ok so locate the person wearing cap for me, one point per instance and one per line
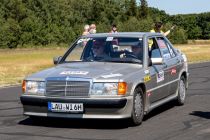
(158, 29)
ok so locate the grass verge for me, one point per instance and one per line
(196, 53)
(16, 64)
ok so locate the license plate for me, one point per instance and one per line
(65, 107)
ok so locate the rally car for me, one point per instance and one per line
(136, 73)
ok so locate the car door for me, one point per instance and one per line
(175, 66)
(172, 65)
(158, 72)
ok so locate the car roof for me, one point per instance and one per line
(123, 34)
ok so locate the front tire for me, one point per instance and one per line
(181, 91)
(138, 107)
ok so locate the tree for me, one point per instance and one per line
(61, 21)
(203, 21)
(178, 36)
(132, 8)
(9, 34)
(143, 11)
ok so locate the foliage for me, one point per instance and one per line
(43, 22)
(143, 13)
(178, 36)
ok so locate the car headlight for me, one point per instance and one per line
(33, 87)
(109, 88)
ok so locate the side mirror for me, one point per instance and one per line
(57, 59)
(157, 61)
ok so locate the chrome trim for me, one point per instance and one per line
(79, 116)
(167, 99)
(150, 90)
(65, 83)
(35, 114)
(107, 80)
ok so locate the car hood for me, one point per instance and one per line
(93, 70)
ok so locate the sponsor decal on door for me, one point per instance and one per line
(160, 76)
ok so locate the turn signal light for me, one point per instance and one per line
(122, 88)
(24, 86)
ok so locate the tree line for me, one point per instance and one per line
(43, 22)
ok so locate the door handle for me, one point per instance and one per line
(164, 65)
(178, 60)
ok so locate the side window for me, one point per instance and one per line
(163, 48)
(154, 51)
(171, 50)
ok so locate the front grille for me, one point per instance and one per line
(67, 88)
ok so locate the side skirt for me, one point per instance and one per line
(161, 102)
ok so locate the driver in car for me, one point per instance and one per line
(99, 49)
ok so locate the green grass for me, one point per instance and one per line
(15, 64)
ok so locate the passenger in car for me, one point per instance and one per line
(137, 50)
(158, 29)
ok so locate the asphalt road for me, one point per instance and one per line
(169, 122)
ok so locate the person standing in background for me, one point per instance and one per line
(92, 29)
(158, 29)
(86, 30)
(114, 29)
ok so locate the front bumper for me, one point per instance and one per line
(101, 108)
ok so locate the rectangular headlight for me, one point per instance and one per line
(104, 89)
(108, 88)
(35, 87)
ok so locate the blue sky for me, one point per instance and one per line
(173, 7)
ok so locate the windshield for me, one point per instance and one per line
(107, 49)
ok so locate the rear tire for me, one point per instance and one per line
(138, 107)
(181, 91)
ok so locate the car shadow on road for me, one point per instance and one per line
(76, 123)
(160, 110)
(201, 114)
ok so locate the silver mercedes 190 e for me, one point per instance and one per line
(108, 76)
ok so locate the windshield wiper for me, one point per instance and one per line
(117, 60)
(125, 60)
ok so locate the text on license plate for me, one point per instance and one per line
(65, 107)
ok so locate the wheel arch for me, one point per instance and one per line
(137, 114)
(184, 74)
(143, 87)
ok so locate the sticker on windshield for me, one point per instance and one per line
(111, 75)
(74, 73)
(83, 40)
(160, 76)
(109, 38)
